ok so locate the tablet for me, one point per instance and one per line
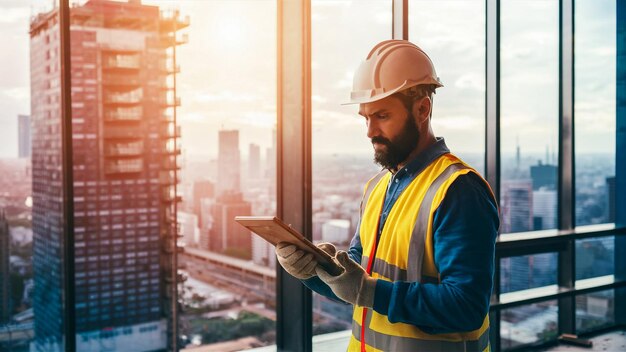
(274, 230)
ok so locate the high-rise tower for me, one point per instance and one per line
(124, 155)
(228, 162)
(23, 136)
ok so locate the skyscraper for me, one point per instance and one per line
(124, 166)
(23, 136)
(227, 236)
(610, 189)
(543, 175)
(517, 206)
(202, 189)
(254, 161)
(544, 208)
(228, 162)
(5, 278)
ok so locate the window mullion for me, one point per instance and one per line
(294, 181)
(620, 165)
(566, 221)
(69, 318)
(400, 19)
(492, 136)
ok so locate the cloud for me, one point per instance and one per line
(346, 81)
(17, 93)
(265, 119)
(472, 80)
(458, 123)
(14, 15)
(318, 99)
(337, 120)
(223, 96)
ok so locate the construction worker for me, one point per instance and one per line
(419, 270)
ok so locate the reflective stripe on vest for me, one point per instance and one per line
(385, 342)
(419, 268)
(369, 187)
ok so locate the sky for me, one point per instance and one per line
(228, 71)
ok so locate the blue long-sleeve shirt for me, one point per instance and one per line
(465, 227)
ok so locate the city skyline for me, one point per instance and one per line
(228, 161)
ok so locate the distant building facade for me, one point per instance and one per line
(228, 162)
(123, 176)
(226, 235)
(5, 277)
(202, 189)
(543, 175)
(254, 161)
(23, 136)
(517, 206)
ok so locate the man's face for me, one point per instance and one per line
(392, 129)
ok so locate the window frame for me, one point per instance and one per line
(294, 331)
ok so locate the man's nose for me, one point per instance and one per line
(372, 129)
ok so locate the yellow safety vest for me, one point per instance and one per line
(405, 253)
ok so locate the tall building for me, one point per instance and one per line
(228, 162)
(206, 221)
(610, 189)
(254, 161)
(543, 175)
(202, 189)
(524, 272)
(23, 136)
(124, 175)
(227, 236)
(189, 230)
(263, 253)
(5, 278)
(517, 206)
(544, 209)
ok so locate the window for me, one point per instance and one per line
(452, 33)
(342, 153)
(529, 114)
(221, 151)
(227, 119)
(594, 111)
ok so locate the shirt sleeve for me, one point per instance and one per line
(317, 285)
(465, 227)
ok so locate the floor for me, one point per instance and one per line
(609, 342)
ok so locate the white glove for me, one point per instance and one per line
(354, 285)
(299, 263)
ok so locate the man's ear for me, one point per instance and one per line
(422, 108)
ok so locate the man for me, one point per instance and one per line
(419, 270)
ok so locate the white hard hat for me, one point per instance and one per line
(392, 66)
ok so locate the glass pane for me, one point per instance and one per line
(524, 325)
(595, 310)
(163, 132)
(595, 257)
(529, 114)
(525, 272)
(124, 171)
(452, 33)
(594, 111)
(340, 42)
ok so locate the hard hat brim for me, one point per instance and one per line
(373, 98)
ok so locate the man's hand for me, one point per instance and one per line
(297, 262)
(354, 285)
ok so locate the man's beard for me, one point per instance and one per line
(399, 148)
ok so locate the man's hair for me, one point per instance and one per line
(410, 95)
